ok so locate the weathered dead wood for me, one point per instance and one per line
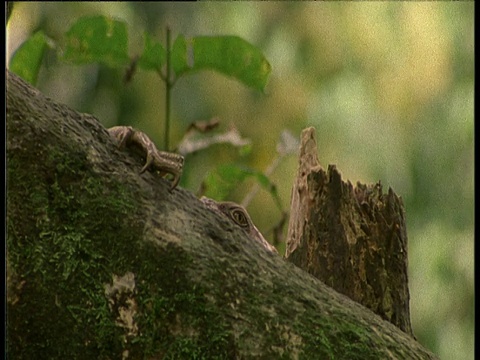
(105, 263)
(353, 239)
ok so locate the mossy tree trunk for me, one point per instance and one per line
(104, 263)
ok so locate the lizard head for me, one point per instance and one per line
(239, 216)
(236, 213)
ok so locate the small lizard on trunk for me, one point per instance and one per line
(165, 162)
(170, 163)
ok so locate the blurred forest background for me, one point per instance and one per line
(389, 87)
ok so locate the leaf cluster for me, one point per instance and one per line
(100, 39)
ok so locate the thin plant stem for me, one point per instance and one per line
(270, 169)
(168, 84)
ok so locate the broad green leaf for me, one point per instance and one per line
(223, 180)
(26, 61)
(97, 39)
(154, 55)
(229, 55)
(179, 56)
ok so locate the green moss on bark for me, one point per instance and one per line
(63, 244)
(66, 244)
(176, 319)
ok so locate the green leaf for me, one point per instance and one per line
(223, 180)
(27, 59)
(179, 56)
(97, 39)
(220, 182)
(229, 55)
(154, 55)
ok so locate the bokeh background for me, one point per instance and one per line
(389, 87)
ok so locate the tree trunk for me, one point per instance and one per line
(105, 263)
(353, 239)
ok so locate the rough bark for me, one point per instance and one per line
(353, 239)
(104, 263)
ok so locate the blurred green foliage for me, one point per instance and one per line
(104, 40)
(29, 57)
(389, 87)
(97, 39)
(230, 55)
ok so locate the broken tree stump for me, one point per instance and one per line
(354, 239)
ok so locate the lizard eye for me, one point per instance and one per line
(239, 217)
